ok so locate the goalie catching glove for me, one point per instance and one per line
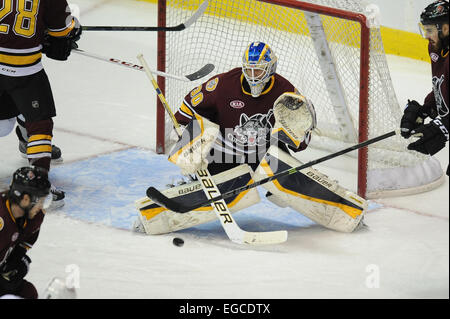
(194, 145)
(295, 119)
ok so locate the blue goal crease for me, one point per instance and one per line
(104, 189)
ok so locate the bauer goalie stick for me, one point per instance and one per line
(179, 27)
(205, 70)
(163, 200)
(233, 231)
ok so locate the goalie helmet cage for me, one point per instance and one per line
(329, 51)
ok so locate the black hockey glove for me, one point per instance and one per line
(14, 269)
(59, 48)
(412, 118)
(433, 137)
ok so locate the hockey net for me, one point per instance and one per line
(329, 51)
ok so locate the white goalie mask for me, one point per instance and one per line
(259, 63)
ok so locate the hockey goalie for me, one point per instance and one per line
(242, 126)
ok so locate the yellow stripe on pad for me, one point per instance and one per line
(351, 211)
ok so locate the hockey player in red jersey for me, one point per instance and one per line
(240, 102)
(434, 26)
(21, 215)
(28, 29)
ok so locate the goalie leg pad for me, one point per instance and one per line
(311, 193)
(160, 220)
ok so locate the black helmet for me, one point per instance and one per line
(435, 13)
(29, 180)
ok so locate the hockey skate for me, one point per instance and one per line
(56, 151)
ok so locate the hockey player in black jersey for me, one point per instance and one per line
(433, 136)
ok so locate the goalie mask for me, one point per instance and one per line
(259, 63)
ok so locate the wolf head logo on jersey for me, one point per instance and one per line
(252, 131)
(440, 102)
(259, 63)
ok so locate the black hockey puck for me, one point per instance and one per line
(178, 241)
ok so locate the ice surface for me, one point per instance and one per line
(105, 127)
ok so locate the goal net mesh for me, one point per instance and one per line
(221, 35)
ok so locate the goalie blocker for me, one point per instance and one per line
(311, 193)
(194, 145)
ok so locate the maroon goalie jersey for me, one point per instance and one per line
(436, 103)
(22, 27)
(245, 122)
(10, 235)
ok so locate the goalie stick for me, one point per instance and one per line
(163, 200)
(233, 231)
(179, 27)
(205, 70)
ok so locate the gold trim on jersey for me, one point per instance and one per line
(272, 83)
(8, 207)
(62, 32)
(185, 109)
(20, 60)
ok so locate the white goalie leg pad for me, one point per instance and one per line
(311, 193)
(197, 139)
(295, 118)
(159, 220)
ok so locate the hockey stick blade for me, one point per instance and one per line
(166, 202)
(208, 68)
(179, 27)
(265, 238)
(162, 200)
